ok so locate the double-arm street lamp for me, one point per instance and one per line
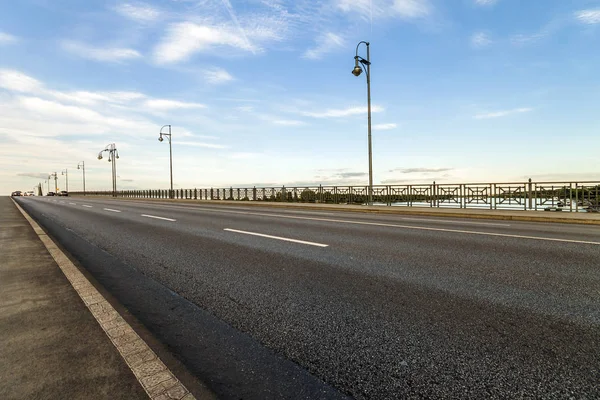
(81, 165)
(366, 63)
(65, 172)
(113, 155)
(55, 182)
(160, 139)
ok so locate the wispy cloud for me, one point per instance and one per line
(403, 9)
(217, 75)
(384, 127)
(485, 2)
(420, 170)
(165, 105)
(325, 44)
(36, 175)
(288, 122)
(138, 11)
(346, 112)
(19, 82)
(105, 54)
(202, 144)
(591, 16)
(6, 38)
(480, 40)
(498, 114)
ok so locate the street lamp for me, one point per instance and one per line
(81, 165)
(160, 139)
(366, 63)
(113, 155)
(55, 182)
(65, 172)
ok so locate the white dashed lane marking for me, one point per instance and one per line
(278, 238)
(155, 217)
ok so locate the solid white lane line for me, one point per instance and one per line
(155, 217)
(85, 205)
(110, 209)
(453, 222)
(277, 237)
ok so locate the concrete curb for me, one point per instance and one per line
(152, 374)
(570, 218)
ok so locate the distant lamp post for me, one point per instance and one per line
(81, 166)
(366, 63)
(113, 156)
(160, 139)
(65, 172)
(55, 182)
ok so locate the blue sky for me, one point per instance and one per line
(260, 91)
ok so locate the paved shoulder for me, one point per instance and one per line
(52, 347)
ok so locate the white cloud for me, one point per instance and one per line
(588, 16)
(412, 8)
(202, 144)
(19, 82)
(384, 127)
(164, 105)
(498, 114)
(288, 122)
(138, 11)
(522, 40)
(325, 44)
(485, 2)
(333, 113)
(217, 75)
(184, 39)
(6, 38)
(108, 54)
(404, 9)
(89, 98)
(480, 40)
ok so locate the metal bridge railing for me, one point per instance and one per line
(553, 196)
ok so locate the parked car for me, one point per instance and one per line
(50, 194)
(63, 193)
(17, 193)
(29, 193)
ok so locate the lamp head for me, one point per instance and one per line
(160, 138)
(109, 160)
(78, 167)
(117, 156)
(357, 69)
(100, 157)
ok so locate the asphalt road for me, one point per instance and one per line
(330, 304)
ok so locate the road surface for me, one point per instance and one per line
(264, 303)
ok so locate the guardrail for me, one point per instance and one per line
(550, 196)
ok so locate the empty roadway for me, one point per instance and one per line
(271, 303)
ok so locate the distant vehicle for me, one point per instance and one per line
(29, 193)
(63, 193)
(50, 194)
(17, 193)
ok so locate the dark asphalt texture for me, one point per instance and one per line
(420, 309)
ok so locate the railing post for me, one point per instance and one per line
(254, 193)
(529, 188)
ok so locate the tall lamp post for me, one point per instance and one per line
(113, 155)
(81, 165)
(160, 139)
(366, 63)
(65, 172)
(55, 181)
